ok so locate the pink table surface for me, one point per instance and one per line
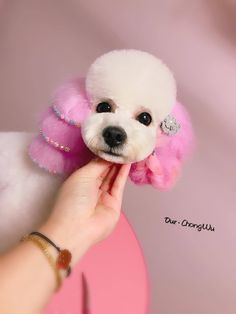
(116, 277)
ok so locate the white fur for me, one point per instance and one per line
(140, 142)
(132, 78)
(132, 82)
(26, 191)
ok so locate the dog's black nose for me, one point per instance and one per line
(114, 136)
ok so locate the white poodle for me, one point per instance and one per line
(124, 111)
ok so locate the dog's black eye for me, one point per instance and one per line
(103, 107)
(144, 118)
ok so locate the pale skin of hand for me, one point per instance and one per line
(85, 212)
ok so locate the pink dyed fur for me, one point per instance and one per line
(70, 103)
(71, 100)
(63, 133)
(163, 167)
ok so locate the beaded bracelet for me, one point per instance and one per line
(43, 245)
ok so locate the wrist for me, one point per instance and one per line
(77, 242)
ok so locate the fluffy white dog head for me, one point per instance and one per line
(130, 93)
(125, 111)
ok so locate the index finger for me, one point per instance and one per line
(119, 182)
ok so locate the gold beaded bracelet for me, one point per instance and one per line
(43, 245)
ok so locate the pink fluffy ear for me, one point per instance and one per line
(162, 167)
(59, 148)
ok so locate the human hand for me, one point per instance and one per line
(88, 205)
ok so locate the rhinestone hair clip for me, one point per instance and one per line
(169, 125)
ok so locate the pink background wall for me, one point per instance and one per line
(44, 42)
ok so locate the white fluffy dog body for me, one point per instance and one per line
(26, 191)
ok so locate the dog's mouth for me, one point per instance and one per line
(112, 156)
(110, 152)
